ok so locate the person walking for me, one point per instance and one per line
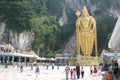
(58, 66)
(71, 73)
(108, 76)
(110, 69)
(82, 72)
(21, 67)
(37, 71)
(67, 70)
(52, 65)
(95, 71)
(74, 74)
(115, 69)
(31, 66)
(47, 65)
(91, 71)
(78, 70)
(99, 69)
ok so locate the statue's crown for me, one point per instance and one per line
(85, 10)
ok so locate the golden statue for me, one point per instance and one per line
(86, 35)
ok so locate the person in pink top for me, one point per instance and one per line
(67, 70)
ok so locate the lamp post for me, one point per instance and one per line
(35, 61)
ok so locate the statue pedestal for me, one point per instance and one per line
(88, 60)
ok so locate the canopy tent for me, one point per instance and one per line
(114, 42)
(2, 46)
(30, 54)
(48, 59)
(111, 54)
(18, 54)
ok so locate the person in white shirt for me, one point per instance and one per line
(99, 70)
(82, 72)
(110, 68)
(74, 74)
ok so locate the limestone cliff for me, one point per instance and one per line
(101, 10)
(20, 41)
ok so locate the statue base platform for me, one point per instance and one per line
(88, 60)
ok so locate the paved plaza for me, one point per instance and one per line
(11, 73)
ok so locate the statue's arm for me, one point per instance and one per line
(77, 26)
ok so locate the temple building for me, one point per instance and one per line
(9, 55)
(113, 44)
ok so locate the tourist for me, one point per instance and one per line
(78, 70)
(82, 72)
(91, 71)
(71, 73)
(110, 69)
(115, 69)
(58, 66)
(21, 67)
(108, 76)
(47, 65)
(74, 74)
(31, 66)
(95, 70)
(37, 71)
(52, 65)
(104, 66)
(67, 70)
(99, 69)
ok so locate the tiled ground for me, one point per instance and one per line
(11, 73)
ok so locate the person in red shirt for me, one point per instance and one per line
(71, 73)
(108, 76)
(95, 70)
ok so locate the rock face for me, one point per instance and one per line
(70, 48)
(106, 7)
(97, 8)
(21, 41)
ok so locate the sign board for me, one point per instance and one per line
(88, 60)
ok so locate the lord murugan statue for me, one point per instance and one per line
(86, 36)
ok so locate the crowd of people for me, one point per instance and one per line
(75, 72)
(107, 71)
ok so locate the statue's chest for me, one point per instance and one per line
(85, 22)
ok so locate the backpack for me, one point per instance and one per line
(37, 69)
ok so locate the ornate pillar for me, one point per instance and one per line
(8, 58)
(19, 60)
(0, 59)
(13, 58)
(30, 60)
(60, 61)
(3, 59)
(25, 61)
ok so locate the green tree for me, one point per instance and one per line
(50, 54)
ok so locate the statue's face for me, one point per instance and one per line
(84, 14)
